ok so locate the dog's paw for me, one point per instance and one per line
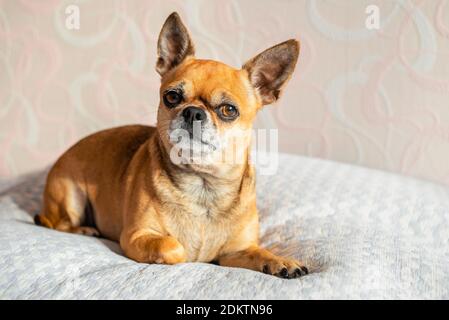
(167, 250)
(284, 268)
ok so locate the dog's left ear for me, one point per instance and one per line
(270, 70)
(174, 44)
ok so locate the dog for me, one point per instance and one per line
(164, 211)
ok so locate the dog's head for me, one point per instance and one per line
(203, 102)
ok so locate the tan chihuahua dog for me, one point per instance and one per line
(169, 212)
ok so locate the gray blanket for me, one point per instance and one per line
(363, 234)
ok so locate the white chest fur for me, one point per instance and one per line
(197, 212)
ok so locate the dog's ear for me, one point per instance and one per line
(174, 44)
(270, 70)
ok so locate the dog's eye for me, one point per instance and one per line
(172, 98)
(227, 112)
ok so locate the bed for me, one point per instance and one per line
(363, 234)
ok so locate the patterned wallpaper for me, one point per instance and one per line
(373, 97)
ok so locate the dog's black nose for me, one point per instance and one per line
(191, 114)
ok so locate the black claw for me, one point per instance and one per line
(284, 273)
(298, 272)
(305, 270)
(266, 269)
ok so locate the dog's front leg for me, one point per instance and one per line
(143, 238)
(143, 246)
(259, 259)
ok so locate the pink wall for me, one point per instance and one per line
(375, 98)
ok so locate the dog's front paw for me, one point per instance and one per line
(167, 250)
(148, 248)
(259, 259)
(283, 267)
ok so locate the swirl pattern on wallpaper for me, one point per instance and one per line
(378, 98)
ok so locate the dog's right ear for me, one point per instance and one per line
(270, 70)
(174, 44)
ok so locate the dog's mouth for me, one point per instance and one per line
(196, 137)
(195, 143)
(187, 150)
(205, 139)
(208, 144)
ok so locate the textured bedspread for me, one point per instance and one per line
(362, 233)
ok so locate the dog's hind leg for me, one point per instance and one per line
(64, 206)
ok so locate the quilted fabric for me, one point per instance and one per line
(363, 234)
